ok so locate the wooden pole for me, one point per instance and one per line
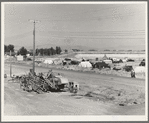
(10, 69)
(10, 64)
(34, 21)
(34, 48)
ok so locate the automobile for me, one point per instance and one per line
(127, 68)
(100, 65)
(67, 59)
(28, 59)
(130, 60)
(115, 68)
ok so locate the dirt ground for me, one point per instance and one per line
(98, 95)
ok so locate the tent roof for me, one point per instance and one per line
(105, 57)
(85, 64)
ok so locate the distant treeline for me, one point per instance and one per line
(48, 51)
(24, 51)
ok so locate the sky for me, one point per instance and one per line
(93, 26)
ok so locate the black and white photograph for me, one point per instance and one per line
(74, 61)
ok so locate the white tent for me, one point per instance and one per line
(125, 59)
(139, 69)
(85, 64)
(48, 61)
(20, 58)
(57, 61)
(115, 59)
(105, 57)
(40, 59)
(108, 61)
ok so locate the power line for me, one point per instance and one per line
(86, 35)
(98, 31)
(89, 11)
(116, 16)
(100, 34)
(76, 37)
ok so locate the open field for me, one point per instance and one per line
(93, 56)
(98, 95)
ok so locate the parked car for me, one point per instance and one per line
(127, 68)
(130, 60)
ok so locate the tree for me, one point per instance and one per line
(52, 53)
(22, 51)
(37, 51)
(10, 47)
(45, 51)
(49, 51)
(5, 48)
(41, 51)
(59, 50)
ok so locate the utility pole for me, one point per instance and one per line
(34, 22)
(10, 65)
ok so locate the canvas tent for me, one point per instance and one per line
(139, 69)
(105, 57)
(85, 64)
(48, 61)
(57, 61)
(116, 59)
(20, 58)
(108, 61)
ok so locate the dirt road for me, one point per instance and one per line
(92, 99)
